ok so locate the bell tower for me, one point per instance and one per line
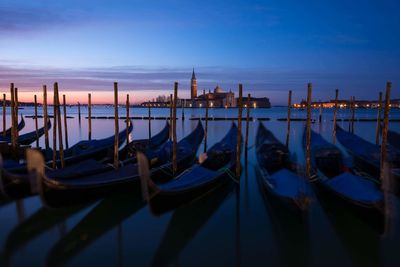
(193, 86)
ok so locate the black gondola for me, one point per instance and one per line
(28, 138)
(20, 126)
(336, 182)
(279, 174)
(199, 179)
(15, 183)
(87, 149)
(60, 192)
(93, 149)
(126, 155)
(367, 156)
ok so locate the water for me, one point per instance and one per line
(232, 226)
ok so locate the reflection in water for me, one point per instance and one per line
(108, 214)
(186, 223)
(32, 227)
(291, 230)
(336, 241)
(120, 247)
(237, 228)
(361, 240)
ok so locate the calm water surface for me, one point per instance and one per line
(232, 226)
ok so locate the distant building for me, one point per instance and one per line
(394, 103)
(216, 99)
(193, 86)
(256, 102)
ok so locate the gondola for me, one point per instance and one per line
(394, 139)
(199, 179)
(291, 233)
(20, 126)
(367, 156)
(93, 149)
(16, 183)
(28, 138)
(126, 155)
(335, 181)
(86, 149)
(279, 174)
(57, 192)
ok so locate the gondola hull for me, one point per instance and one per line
(366, 157)
(278, 202)
(16, 183)
(166, 201)
(61, 192)
(59, 196)
(199, 180)
(16, 186)
(372, 214)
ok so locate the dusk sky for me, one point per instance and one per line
(269, 46)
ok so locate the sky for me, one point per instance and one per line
(145, 45)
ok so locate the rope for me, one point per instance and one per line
(230, 174)
(366, 176)
(167, 170)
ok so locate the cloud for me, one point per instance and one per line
(258, 82)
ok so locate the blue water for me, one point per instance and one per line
(236, 227)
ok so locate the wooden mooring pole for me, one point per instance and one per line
(385, 176)
(239, 132)
(116, 126)
(36, 120)
(335, 115)
(206, 125)
(174, 141)
(353, 112)
(45, 118)
(16, 106)
(79, 113)
(4, 114)
(320, 112)
(60, 138)
(128, 119)
(288, 117)
(183, 109)
(378, 120)
(246, 140)
(90, 116)
(54, 129)
(13, 124)
(385, 128)
(65, 121)
(308, 136)
(170, 116)
(149, 118)
(350, 112)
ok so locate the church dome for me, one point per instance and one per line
(217, 90)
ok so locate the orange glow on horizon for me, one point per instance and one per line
(98, 97)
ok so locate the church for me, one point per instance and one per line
(217, 99)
